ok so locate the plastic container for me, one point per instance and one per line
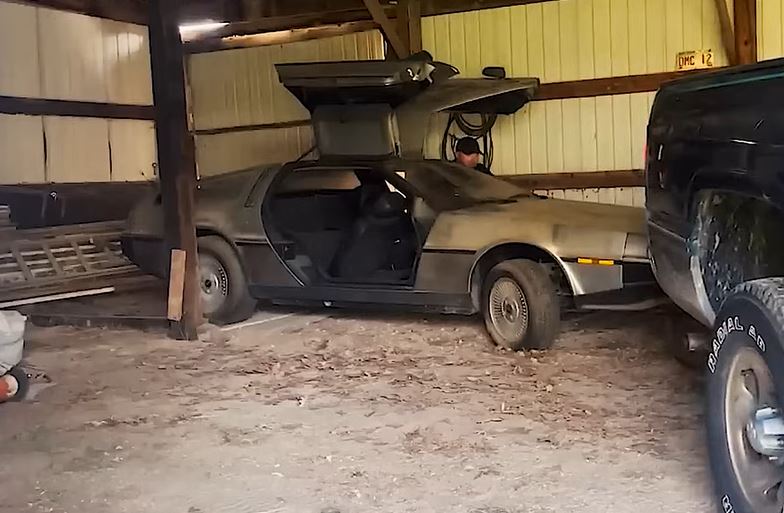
(12, 326)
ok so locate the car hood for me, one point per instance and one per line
(567, 229)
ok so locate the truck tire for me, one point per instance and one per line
(224, 287)
(744, 385)
(520, 305)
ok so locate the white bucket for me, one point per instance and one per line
(12, 326)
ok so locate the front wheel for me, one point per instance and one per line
(745, 385)
(224, 289)
(520, 305)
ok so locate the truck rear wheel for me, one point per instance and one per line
(745, 385)
(520, 305)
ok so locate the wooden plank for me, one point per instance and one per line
(399, 46)
(727, 32)
(176, 155)
(176, 285)
(280, 37)
(745, 14)
(55, 297)
(608, 86)
(580, 180)
(56, 267)
(246, 128)
(45, 107)
(26, 272)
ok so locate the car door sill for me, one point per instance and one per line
(357, 296)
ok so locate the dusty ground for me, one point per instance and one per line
(355, 414)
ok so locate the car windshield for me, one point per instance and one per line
(440, 178)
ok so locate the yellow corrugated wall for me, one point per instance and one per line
(770, 29)
(57, 55)
(237, 88)
(571, 40)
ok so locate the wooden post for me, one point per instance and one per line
(401, 12)
(176, 156)
(388, 28)
(415, 25)
(727, 32)
(409, 23)
(745, 15)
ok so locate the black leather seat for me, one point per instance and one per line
(381, 240)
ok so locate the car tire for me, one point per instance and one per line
(520, 305)
(224, 287)
(745, 375)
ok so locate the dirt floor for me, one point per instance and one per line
(345, 412)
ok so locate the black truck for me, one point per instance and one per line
(715, 202)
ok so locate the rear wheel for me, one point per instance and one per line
(745, 386)
(224, 289)
(520, 305)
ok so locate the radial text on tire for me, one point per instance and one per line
(520, 305)
(745, 385)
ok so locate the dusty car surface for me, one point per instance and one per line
(371, 223)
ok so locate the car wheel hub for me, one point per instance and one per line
(508, 309)
(214, 283)
(755, 432)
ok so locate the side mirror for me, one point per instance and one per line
(497, 72)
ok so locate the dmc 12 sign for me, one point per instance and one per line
(696, 59)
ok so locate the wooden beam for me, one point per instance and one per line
(415, 25)
(176, 155)
(409, 23)
(249, 128)
(402, 22)
(44, 107)
(727, 32)
(745, 15)
(607, 86)
(278, 37)
(129, 11)
(282, 23)
(388, 28)
(291, 10)
(581, 180)
(435, 7)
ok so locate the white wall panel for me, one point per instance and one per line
(126, 59)
(223, 153)
(240, 87)
(72, 60)
(19, 71)
(133, 150)
(53, 54)
(21, 150)
(77, 149)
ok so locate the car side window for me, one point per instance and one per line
(305, 180)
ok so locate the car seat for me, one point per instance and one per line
(381, 240)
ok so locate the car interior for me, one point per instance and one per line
(342, 225)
